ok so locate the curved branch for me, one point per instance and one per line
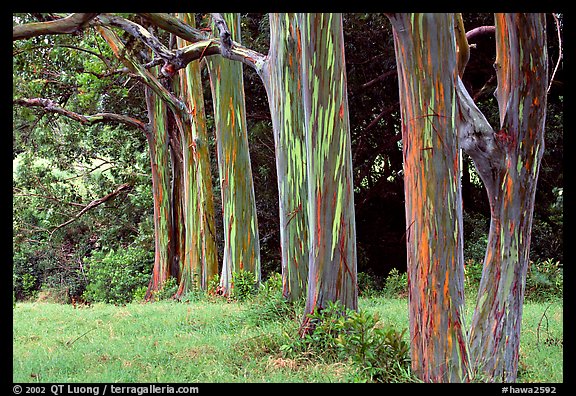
(480, 31)
(53, 107)
(70, 24)
(175, 26)
(93, 204)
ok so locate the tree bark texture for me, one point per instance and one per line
(157, 137)
(281, 74)
(241, 241)
(199, 242)
(522, 72)
(427, 73)
(332, 229)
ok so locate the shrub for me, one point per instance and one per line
(270, 305)
(167, 291)
(369, 285)
(379, 352)
(545, 280)
(244, 285)
(396, 284)
(114, 276)
(472, 275)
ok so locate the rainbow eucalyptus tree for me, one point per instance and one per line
(187, 251)
(241, 240)
(200, 241)
(157, 137)
(331, 230)
(508, 161)
(281, 74)
(438, 117)
(426, 58)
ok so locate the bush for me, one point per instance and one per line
(545, 280)
(369, 285)
(379, 352)
(472, 275)
(244, 285)
(270, 305)
(396, 284)
(114, 276)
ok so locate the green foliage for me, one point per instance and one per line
(169, 288)
(114, 276)
(214, 285)
(379, 352)
(244, 285)
(270, 305)
(396, 284)
(472, 275)
(545, 280)
(368, 284)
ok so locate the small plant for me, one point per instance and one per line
(379, 352)
(545, 280)
(368, 284)
(169, 288)
(244, 285)
(396, 284)
(472, 275)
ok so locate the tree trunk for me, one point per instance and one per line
(241, 241)
(281, 74)
(200, 244)
(332, 229)
(510, 176)
(157, 138)
(427, 73)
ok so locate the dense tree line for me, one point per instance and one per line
(81, 190)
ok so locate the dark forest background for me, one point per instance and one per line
(60, 165)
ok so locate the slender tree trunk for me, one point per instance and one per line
(281, 74)
(241, 241)
(199, 244)
(332, 229)
(191, 88)
(427, 74)
(510, 177)
(157, 138)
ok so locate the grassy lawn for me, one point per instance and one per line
(214, 341)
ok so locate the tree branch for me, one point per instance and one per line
(477, 139)
(480, 31)
(70, 24)
(93, 204)
(53, 107)
(462, 47)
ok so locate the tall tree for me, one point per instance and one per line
(200, 238)
(508, 162)
(241, 240)
(157, 137)
(332, 229)
(281, 74)
(426, 58)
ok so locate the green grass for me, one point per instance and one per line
(214, 341)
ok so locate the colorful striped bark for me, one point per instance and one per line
(281, 74)
(522, 72)
(158, 99)
(427, 74)
(201, 258)
(241, 241)
(332, 229)
(157, 137)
